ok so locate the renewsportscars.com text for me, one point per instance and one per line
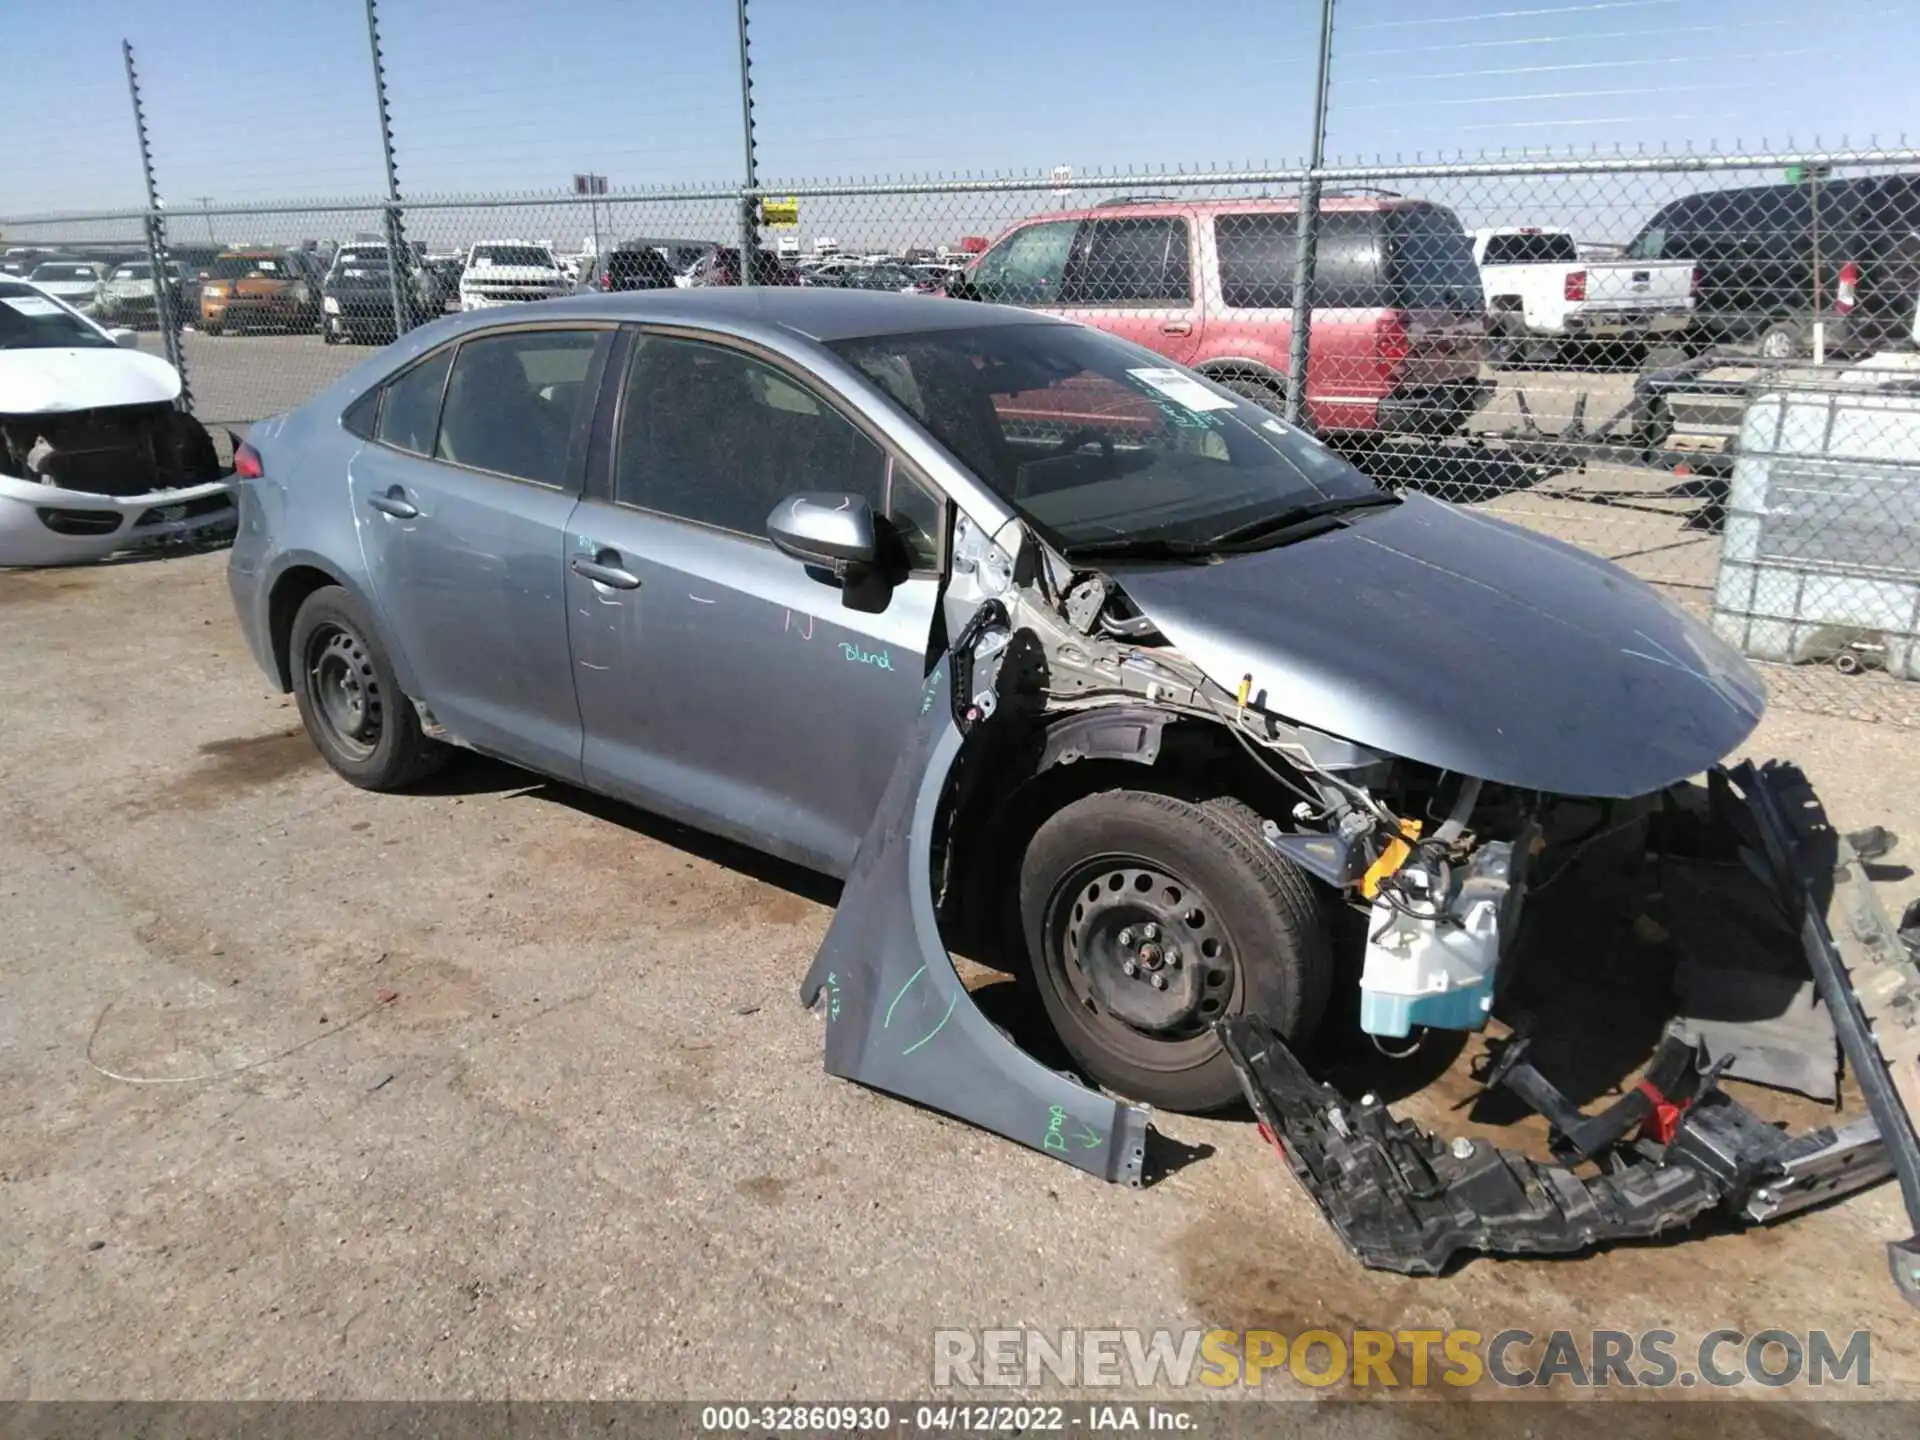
(1212, 1359)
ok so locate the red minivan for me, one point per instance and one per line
(1398, 320)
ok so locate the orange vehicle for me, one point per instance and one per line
(260, 288)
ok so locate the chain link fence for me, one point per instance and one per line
(1701, 366)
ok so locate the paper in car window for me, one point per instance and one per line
(1183, 389)
(31, 305)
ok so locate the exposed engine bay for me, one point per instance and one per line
(83, 484)
(1432, 845)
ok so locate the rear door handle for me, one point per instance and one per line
(602, 573)
(1177, 327)
(394, 502)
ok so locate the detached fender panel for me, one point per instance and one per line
(898, 1017)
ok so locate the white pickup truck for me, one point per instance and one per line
(1541, 294)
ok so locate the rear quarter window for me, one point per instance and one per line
(1431, 261)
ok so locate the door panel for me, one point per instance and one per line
(733, 691)
(472, 589)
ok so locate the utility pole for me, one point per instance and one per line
(206, 210)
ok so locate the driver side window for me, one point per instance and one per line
(1026, 267)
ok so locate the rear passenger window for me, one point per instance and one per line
(412, 408)
(715, 436)
(513, 402)
(1130, 262)
(1257, 254)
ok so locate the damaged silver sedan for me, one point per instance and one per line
(1060, 655)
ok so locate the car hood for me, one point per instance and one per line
(49, 382)
(1461, 642)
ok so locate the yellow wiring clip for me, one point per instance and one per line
(1245, 692)
(1391, 858)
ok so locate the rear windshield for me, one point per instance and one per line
(1530, 249)
(140, 270)
(361, 255)
(512, 255)
(243, 267)
(1432, 261)
(64, 272)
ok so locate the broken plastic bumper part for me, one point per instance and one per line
(1672, 1149)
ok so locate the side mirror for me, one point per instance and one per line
(124, 338)
(832, 531)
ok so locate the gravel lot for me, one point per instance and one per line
(588, 1149)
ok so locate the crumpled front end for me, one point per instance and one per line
(83, 485)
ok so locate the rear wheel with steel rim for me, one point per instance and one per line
(1147, 920)
(349, 700)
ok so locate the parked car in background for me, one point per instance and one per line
(19, 260)
(885, 275)
(633, 265)
(94, 458)
(1399, 327)
(1775, 258)
(508, 272)
(261, 289)
(357, 294)
(722, 267)
(78, 282)
(130, 297)
(1541, 295)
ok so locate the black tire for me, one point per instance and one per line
(1225, 905)
(341, 676)
(1267, 394)
(1506, 342)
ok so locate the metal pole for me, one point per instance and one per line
(164, 314)
(395, 232)
(749, 194)
(1300, 350)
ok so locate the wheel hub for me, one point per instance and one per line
(344, 688)
(1148, 949)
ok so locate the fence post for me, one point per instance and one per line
(164, 314)
(749, 194)
(396, 234)
(1300, 349)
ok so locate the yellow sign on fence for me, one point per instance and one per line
(780, 214)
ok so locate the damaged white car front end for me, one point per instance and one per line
(95, 457)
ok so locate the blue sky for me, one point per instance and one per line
(274, 99)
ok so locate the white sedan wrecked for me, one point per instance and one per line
(94, 456)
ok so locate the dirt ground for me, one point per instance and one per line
(512, 1095)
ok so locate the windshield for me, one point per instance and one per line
(1095, 440)
(1649, 244)
(138, 270)
(512, 255)
(361, 255)
(31, 321)
(245, 267)
(65, 272)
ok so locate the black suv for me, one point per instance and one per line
(635, 265)
(357, 295)
(1774, 258)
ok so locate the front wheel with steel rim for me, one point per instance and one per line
(348, 698)
(1147, 920)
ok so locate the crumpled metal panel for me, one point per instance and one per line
(898, 1017)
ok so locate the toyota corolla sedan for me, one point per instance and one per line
(726, 554)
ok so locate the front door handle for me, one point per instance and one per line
(601, 572)
(394, 502)
(1177, 327)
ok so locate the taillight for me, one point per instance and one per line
(246, 462)
(1847, 293)
(1575, 287)
(1390, 344)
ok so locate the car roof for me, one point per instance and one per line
(819, 315)
(1240, 205)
